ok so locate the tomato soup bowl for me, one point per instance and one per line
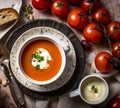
(57, 64)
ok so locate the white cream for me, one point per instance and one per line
(95, 93)
(43, 64)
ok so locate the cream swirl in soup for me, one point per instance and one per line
(40, 59)
(93, 89)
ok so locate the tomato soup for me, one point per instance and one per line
(54, 63)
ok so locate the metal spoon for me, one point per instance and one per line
(15, 90)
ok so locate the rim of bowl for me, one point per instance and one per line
(62, 68)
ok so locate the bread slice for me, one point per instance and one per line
(7, 15)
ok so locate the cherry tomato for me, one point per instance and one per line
(101, 16)
(74, 2)
(93, 32)
(114, 103)
(113, 30)
(43, 5)
(116, 49)
(60, 8)
(92, 5)
(102, 62)
(77, 19)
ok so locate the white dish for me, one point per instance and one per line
(64, 41)
(92, 89)
(16, 4)
(53, 41)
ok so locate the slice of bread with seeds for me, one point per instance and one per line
(8, 15)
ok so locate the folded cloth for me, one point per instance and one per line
(61, 102)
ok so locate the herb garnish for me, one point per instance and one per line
(94, 89)
(28, 11)
(37, 67)
(38, 56)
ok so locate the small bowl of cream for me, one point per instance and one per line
(92, 89)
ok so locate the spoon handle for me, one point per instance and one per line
(15, 90)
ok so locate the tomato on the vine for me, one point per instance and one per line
(113, 29)
(90, 5)
(102, 16)
(77, 19)
(42, 4)
(60, 8)
(116, 49)
(93, 32)
(74, 2)
(102, 62)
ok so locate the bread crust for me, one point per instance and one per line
(8, 15)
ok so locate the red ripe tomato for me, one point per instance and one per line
(101, 16)
(114, 103)
(77, 19)
(102, 62)
(60, 8)
(42, 4)
(93, 4)
(116, 49)
(113, 30)
(93, 32)
(74, 2)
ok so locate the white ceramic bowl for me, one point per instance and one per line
(92, 89)
(63, 65)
